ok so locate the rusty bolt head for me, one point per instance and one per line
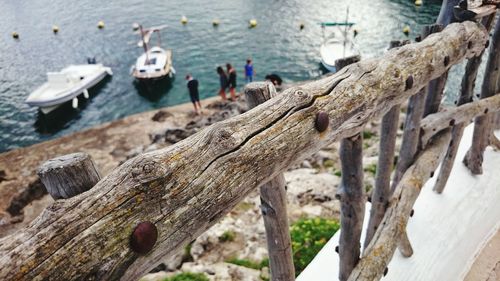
(337, 249)
(386, 270)
(143, 237)
(322, 121)
(412, 212)
(487, 44)
(409, 83)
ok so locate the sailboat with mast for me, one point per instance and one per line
(339, 44)
(155, 63)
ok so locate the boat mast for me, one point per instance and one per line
(345, 30)
(144, 44)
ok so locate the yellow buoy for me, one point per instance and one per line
(418, 2)
(406, 30)
(184, 20)
(100, 24)
(302, 26)
(55, 29)
(252, 23)
(15, 35)
(215, 22)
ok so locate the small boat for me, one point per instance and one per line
(66, 85)
(338, 45)
(156, 62)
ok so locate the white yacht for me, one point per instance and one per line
(66, 85)
(155, 63)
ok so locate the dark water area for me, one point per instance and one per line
(276, 45)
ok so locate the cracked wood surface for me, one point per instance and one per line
(379, 252)
(186, 188)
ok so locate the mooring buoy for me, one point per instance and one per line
(100, 24)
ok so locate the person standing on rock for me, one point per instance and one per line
(223, 82)
(249, 72)
(192, 85)
(232, 80)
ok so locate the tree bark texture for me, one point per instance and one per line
(184, 189)
(482, 124)
(273, 203)
(69, 175)
(383, 245)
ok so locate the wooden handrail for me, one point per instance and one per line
(176, 193)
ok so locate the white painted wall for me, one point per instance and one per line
(447, 231)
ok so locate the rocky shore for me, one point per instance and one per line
(311, 186)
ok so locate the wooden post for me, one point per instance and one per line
(379, 252)
(466, 95)
(409, 145)
(69, 175)
(382, 192)
(273, 203)
(352, 195)
(482, 124)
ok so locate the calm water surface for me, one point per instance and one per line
(276, 45)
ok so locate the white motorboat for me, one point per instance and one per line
(338, 45)
(155, 63)
(67, 85)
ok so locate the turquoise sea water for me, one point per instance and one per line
(276, 46)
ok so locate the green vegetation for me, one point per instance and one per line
(249, 263)
(227, 236)
(372, 168)
(338, 173)
(367, 135)
(308, 237)
(187, 276)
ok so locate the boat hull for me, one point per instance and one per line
(49, 103)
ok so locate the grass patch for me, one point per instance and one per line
(249, 263)
(367, 135)
(338, 173)
(372, 168)
(227, 236)
(308, 237)
(187, 276)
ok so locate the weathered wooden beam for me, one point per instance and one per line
(69, 175)
(482, 124)
(186, 188)
(465, 96)
(382, 191)
(351, 194)
(383, 245)
(457, 115)
(273, 203)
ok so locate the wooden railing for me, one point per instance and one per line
(158, 202)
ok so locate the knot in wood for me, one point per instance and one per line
(143, 237)
(147, 168)
(322, 121)
(409, 83)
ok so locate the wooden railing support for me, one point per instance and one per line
(383, 245)
(382, 191)
(409, 145)
(273, 203)
(351, 194)
(482, 124)
(466, 95)
(176, 193)
(69, 175)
